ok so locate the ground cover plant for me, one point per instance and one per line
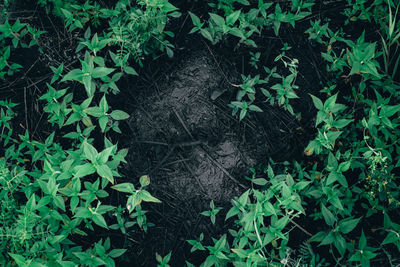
(83, 81)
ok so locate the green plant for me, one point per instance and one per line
(18, 34)
(58, 190)
(163, 261)
(211, 213)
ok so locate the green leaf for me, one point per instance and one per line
(19, 259)
(119, 115)
(328, 216)
(255, 108)
(117, 252)
(206, 34)
(259, 181)
(317, 102)
(130, 70)
(84, 170)
(125, 187)
(103, 120)
(232, 18)
(99, 220)
(101, 72)
(147, 197)
(59, 202)
(195, 19)
(105, 172)
(73, 75)
(144, 180)
(103, 156)
(362, 243)
(217, 19)
(330, 102)
(347, 225)
(90, 152)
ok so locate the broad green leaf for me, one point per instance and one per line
(119, 115)
(317, 102)
(219, 21)
(73, 75)
(232, 18)
(147, 197)
(195, 19)
(90, 152)
(103, 156)
(101, 72)
(83, 212)
(144, 180)
(117, 252)
(328, 216)
(130, 70)
(259, 181)
(105, 172)
(124, 187)
(255, 108)
(19, 259)
(99, 220)
(206, 34)
(84, 170)
(347, 225)
(330, 102)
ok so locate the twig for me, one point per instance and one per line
(223, 169)
(301, 228)
(26, 110)
(182, 123)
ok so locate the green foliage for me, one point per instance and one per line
(53, 190)
(243, 24)
(56, 189)
(163, 261)
(212, 213)
(354, 154)
(18, 34)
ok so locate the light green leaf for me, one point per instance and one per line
(147, 197)
(317, 102)
(125, 187)
(99, 220)
(84, 170)
(232, 18)
(90, 152)
(101, 72)
(119, 115)
(105, 172)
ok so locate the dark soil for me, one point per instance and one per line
(195, 151)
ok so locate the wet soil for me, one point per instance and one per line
(185, 138)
